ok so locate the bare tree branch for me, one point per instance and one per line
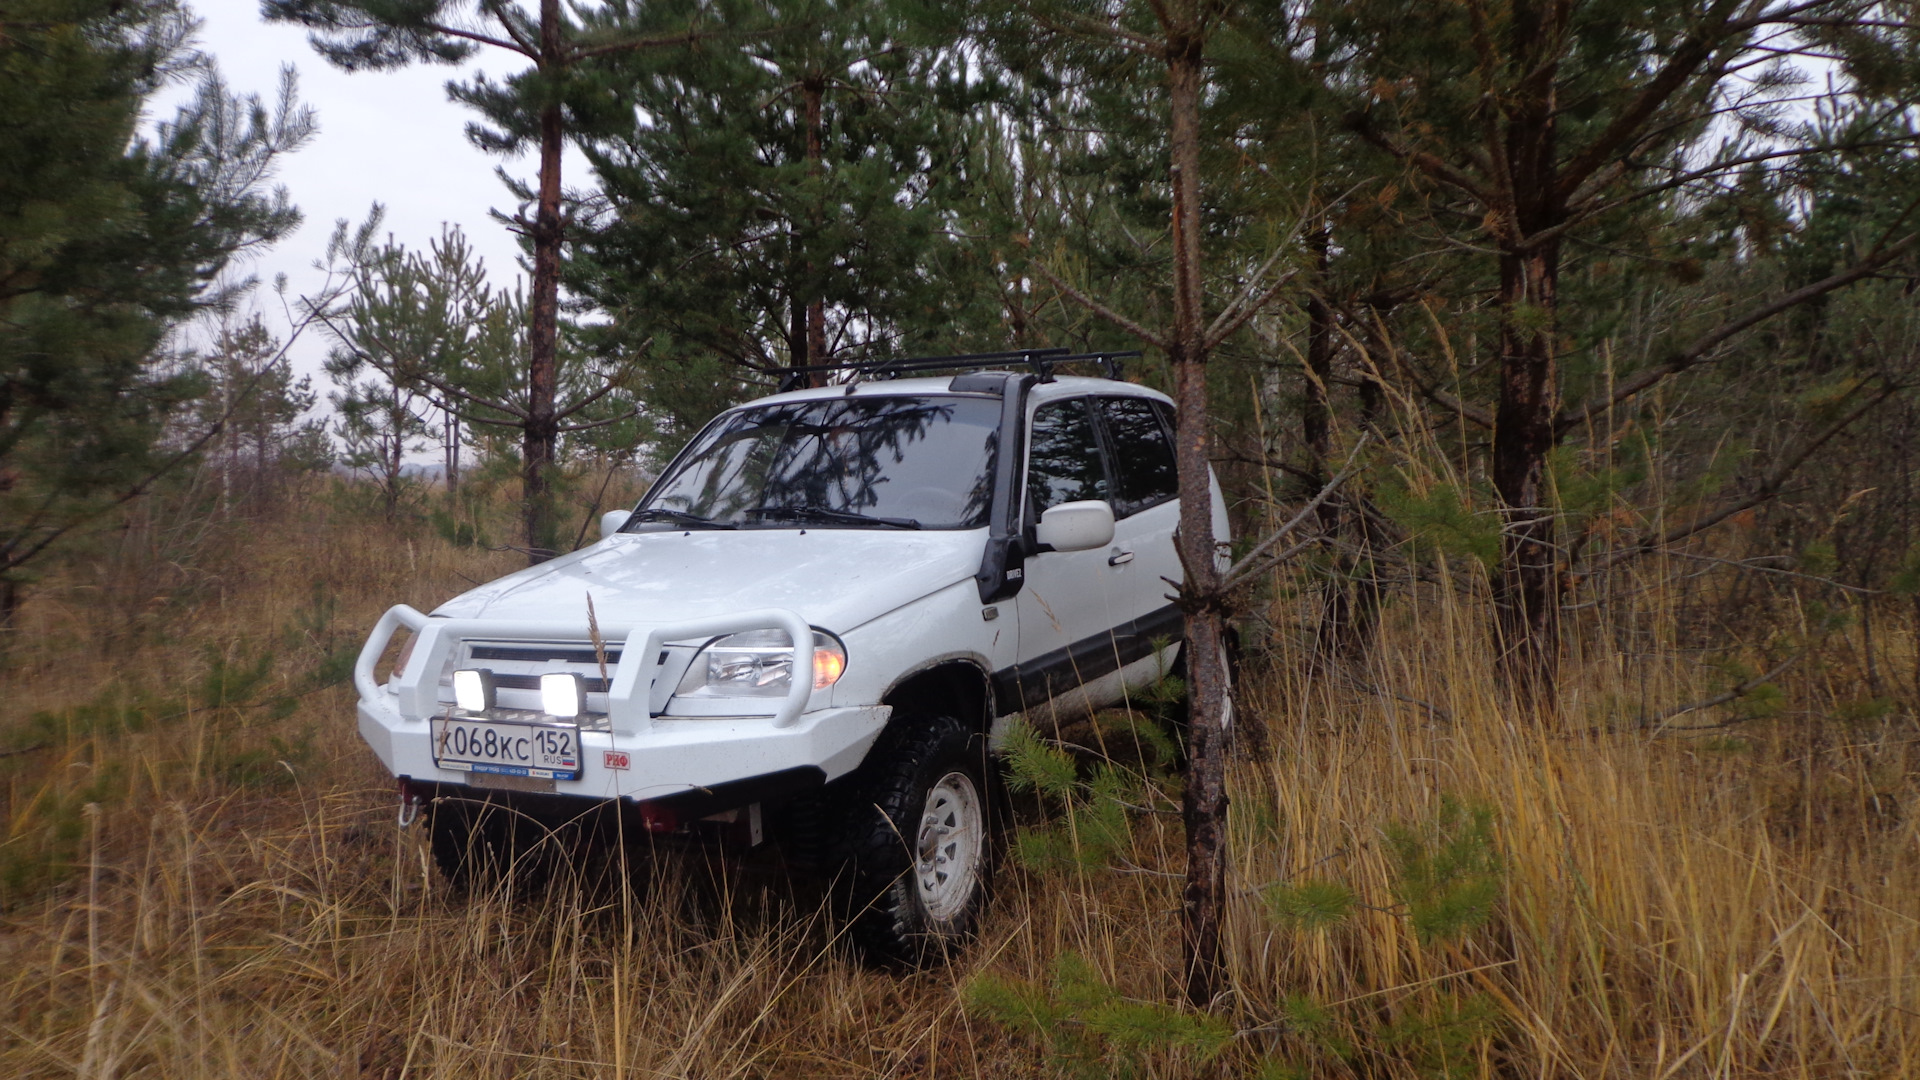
(1362, 125)
(1579, 215)
(1769, 486)
(1701, 346)
(1229, 320)
(1254, 561)
(568, 429)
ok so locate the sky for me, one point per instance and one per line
(387, 137)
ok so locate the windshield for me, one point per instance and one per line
(876, 462)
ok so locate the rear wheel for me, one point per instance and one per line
(916, 841)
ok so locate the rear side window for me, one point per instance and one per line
(1063, 458)
(1142, 453)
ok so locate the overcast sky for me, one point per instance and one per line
(387, 137)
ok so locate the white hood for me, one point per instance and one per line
(835, 579)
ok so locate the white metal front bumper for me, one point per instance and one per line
(670, 757)
(663, 755)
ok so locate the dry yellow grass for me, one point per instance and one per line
(234, 905)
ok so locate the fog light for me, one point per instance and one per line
(473, 689)
(561, 694)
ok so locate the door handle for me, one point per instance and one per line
(1119, 557)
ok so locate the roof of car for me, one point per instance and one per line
(1060, 386)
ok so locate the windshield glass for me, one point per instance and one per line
(920, 462)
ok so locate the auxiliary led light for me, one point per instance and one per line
(561, 694)
(473, 689)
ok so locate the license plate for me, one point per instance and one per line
(512, 749)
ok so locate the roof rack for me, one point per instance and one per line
(1042, 361)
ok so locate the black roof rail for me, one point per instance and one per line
(1041, 361)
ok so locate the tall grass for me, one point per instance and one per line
(207, 880)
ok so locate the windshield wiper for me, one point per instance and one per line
(839, 517)
(681, 517)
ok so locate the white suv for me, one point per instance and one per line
(929, 554)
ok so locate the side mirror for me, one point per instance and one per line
(612, 521)
(1076, 526)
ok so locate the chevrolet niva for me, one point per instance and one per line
(808, 628)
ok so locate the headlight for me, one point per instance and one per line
(759, 663)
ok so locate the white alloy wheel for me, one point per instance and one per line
(947, 855)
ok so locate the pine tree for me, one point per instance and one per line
(429, 325)
(109, 238)
(1155, 57)
(1527, 129)
(378, 423)
(780, 201)
(252, 398)
(535, 108)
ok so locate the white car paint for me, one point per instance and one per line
(901, 601)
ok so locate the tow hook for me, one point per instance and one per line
(410, 801)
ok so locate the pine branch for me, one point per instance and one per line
(1658, 721)
(1682, 61)
(483, 39)
(11, 558)
(689, 37)
(1083, 26)
(1156, 340)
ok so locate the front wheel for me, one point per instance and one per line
(916, 841)
(479, 845)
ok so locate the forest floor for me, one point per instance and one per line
(201, 873)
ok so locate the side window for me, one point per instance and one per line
(1142, 452)
(1063, 458)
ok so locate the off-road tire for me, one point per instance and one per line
(904, 811)
(480, 845)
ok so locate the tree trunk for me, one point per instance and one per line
(1337, 624)
(811, 320)
(393, 450)
(797, 337)
(450, 435)
(1528, 601)
(1204, 809)
(540, 436)
(1316, 414)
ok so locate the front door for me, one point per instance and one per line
(1067, 604)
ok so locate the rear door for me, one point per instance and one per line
(1139, 438)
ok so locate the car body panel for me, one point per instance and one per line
(836, 578)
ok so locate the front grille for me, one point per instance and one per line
(592, 684)
(542, 654)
